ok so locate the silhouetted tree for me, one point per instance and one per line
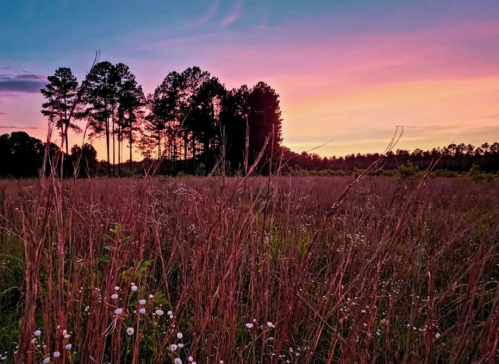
(131, 99)
(86, 156)
(264, 118)
(101, 100)
(233, 115)
(22, 155)
(203, 120)
(61, 92)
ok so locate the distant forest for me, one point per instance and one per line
(22, 155)
(191, 122)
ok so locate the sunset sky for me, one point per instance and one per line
(349, 70)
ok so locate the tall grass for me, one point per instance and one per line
(398, 274)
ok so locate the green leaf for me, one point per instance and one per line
(107, 247)
(160, 300)
(125, 241)
(105, 259)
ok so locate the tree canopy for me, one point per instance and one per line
(191, 122)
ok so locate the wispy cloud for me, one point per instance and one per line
(19, 128)
(235, 13)
(209, 14)
(23, 83)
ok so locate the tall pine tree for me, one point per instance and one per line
(61, 93)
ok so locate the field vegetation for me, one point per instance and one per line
(249, 270)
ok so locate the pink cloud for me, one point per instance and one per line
(234, 15)
(207, 16)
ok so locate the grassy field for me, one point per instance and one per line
(160, 270)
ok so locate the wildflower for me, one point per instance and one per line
(249, 325)
(180, 345)
(179, 335)
(142, 311)
(33, 340)
(114, 296)
(173, 347)
(134, 288)
(151, 296)
(68, 347)
(37, 333)
(171, 317)
(64, 332)
(437, 335)
(46, 360)
(159, 312)
(118, 311)
(190, 358)
(270, 324)
(177, 361)
(169, 313)
(142, 302)
(56, 354)
(130, 331)
(67, 336)
(116, 288)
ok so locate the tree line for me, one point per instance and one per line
(189, 121)
(455, 158)
(22, 155)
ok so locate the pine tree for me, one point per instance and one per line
(61, 92)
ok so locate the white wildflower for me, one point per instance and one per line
(159, 312)
(37, 333)
(270, 324)
(177, 361)
(142, 302)
(114, 296)
(179, 335)
(116, 288)
(142, 311)
(134, 288)
(56, 354)
(118, 311)
(130, 331)
(46, 360)
(249, 325)
(68, 347)
(173, 347)
(190, 358)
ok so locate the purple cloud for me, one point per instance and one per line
(21, 83)
(17, 127)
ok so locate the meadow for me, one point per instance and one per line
(257, 270)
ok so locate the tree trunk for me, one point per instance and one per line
(131, 141)
(114, 149)
(107, 145)
(246, 149)
(67, 125)
(193, 154)
(185, 150)
(119, 150)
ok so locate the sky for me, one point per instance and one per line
(348, 72)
